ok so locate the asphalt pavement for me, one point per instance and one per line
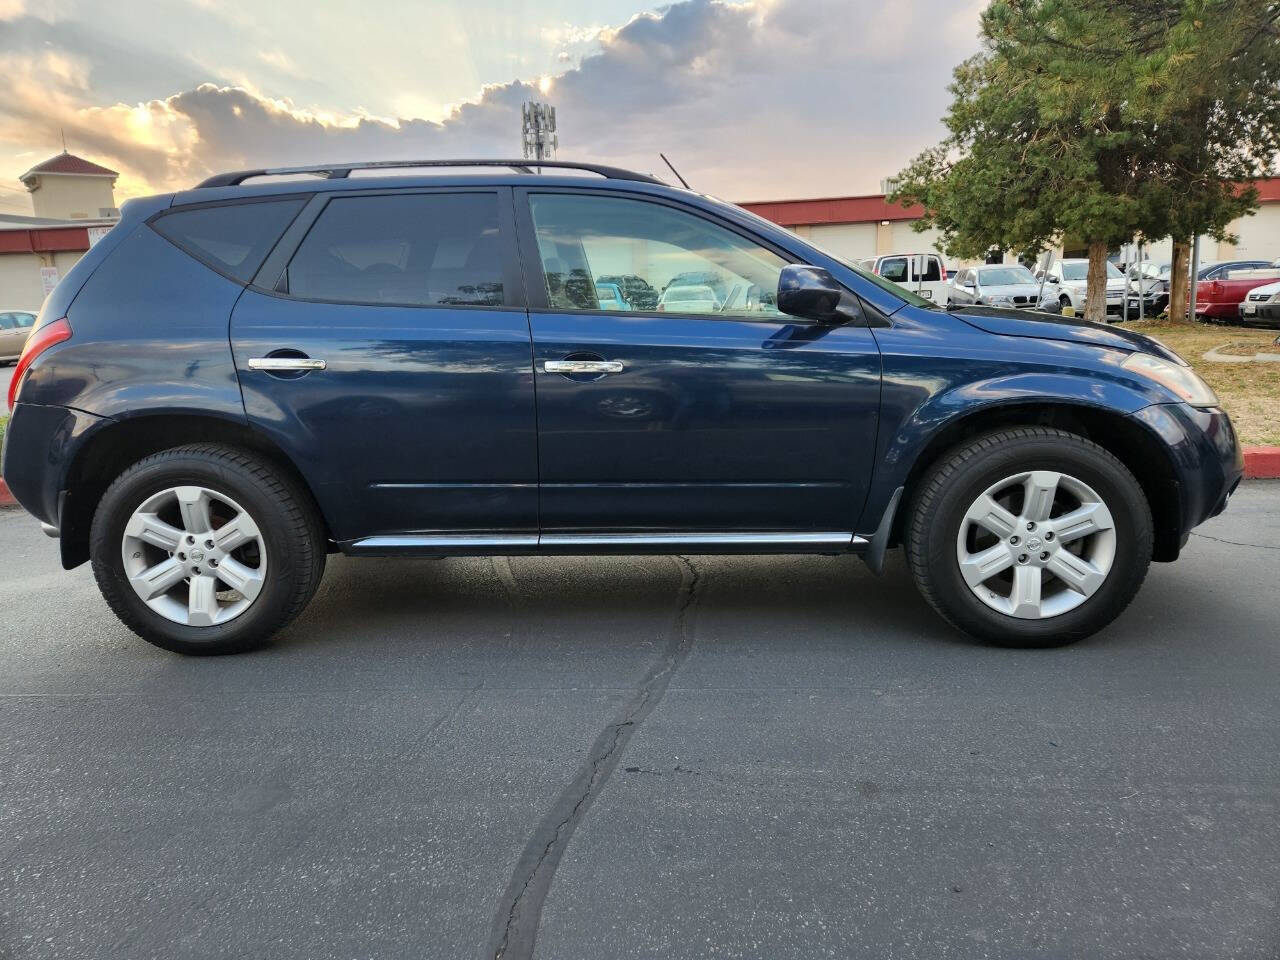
(775, 757)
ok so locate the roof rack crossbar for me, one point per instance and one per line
(340, 171)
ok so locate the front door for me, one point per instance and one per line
(693, 405)
(420, 423)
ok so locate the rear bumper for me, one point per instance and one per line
(39, 444)
(1217, 311)
(1207, 460)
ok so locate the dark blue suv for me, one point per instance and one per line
(243, 377)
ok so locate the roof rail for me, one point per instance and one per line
(340, 171)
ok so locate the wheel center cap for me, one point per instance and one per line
(1033, 543)
(196, 555)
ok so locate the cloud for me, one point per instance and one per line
(751, 100)
(11, 9)
(280, 61)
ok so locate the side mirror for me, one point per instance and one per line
(812, 294)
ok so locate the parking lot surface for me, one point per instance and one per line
(780, 757)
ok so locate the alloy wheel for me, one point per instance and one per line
(1036, 544)
(194, 556)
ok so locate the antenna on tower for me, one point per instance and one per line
(538, 128)
(63, 131)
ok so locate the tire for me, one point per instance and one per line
(1063, 302)
(287, 545)
(948, 497)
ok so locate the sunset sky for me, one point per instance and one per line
(753, 100)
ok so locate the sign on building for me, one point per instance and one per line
(97, 233)
(48, 279)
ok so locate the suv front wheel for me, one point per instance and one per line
(205, 549)
(1030, 537)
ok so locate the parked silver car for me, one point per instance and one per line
(14, 327)
(1002, 285)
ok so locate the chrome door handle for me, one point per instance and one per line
(285, 363)
(582, 366)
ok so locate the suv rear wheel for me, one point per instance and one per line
(205, 549)
(1029, 537)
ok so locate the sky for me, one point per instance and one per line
(752, 100)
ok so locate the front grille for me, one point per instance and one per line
(1021, 300)
(1259, 296)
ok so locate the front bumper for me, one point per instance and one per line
(1207, 460)
(1264, 314)
(1153, 304)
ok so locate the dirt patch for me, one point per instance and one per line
(1250, 392)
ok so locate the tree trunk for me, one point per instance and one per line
(1095, 297)
(1179, 280)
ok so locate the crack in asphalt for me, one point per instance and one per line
(515, 927)
(1237, 543)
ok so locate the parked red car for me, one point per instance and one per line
(1220, 299)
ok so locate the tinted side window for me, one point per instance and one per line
(932, 268)
(25, 319)
(434, 249)
(656, 257)
(8, 321)
(895, 269)
(233, 237)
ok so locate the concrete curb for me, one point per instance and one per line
(1260, 463)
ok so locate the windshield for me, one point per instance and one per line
(1079, 270)
(1002, 276)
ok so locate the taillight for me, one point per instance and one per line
(41, 339)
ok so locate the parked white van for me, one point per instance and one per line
(921, 273)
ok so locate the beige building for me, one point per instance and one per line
(73, 204)
(67, 187)
(856, 228)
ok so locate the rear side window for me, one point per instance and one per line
(931, 267)
(432, 249)
(234, 238)
(895, 269)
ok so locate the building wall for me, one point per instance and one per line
(1259, 236)
(20, 286)
(852, 241)
(65, 197)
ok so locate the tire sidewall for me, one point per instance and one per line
(106, 545)
(1114, 484)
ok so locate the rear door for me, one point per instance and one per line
(386, 348)
(928, 279)
(730, 418)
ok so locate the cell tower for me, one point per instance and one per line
(539, 128)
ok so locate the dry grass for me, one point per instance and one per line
(1250, 392)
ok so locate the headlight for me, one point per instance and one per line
(1183, 381)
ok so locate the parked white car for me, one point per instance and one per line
(1261, 305)
(921, 273)
(1070, 278)
(689, 298)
